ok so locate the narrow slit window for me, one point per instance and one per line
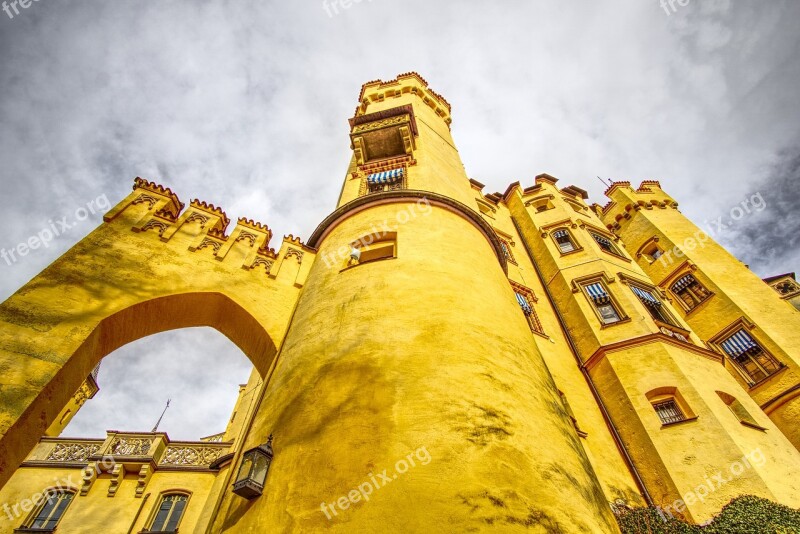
(738, 410)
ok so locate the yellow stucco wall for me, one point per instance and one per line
(363, 380)
(96, 512)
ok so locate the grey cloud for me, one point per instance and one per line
(245, 104)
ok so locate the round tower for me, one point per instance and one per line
(408, 395)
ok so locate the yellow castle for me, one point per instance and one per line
(431, 359)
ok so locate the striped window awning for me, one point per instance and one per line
(738, 344)
(602, 240)
(646, 297)
(683, 283)
(598, 293)
(523, 303)
(560, 233)
(386, 177)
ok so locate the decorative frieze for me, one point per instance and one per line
(123, 446)
(191, 455)
(73, 452)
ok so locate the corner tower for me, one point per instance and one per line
(663, 388)
(730, 308)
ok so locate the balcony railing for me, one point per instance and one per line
(128, 448)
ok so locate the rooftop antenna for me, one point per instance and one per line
(155, 428)
(604, 182)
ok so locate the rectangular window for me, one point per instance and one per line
(669, 412)
(749, 356)
(526, 299)
(374, 247)
(602, 303)
(506, 246)
(604, 243)
(565, 243)
(654, 306)
(390, 180)
(690, 291)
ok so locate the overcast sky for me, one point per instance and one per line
(245, 104)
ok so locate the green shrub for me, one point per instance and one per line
(743, 515)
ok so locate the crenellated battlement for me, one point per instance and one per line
(201, 227)
(407, 83)
(625, 200)
(212, 210)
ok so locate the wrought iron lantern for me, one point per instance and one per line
(253, 471)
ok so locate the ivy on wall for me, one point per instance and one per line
(743, 515)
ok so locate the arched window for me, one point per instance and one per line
(169, 512)
(50, 511)
(670, 405)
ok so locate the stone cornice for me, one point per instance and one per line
(389, 197)
(601, 353)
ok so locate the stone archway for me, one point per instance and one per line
(185, 310)
(147, 269)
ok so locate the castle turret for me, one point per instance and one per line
(731, 309)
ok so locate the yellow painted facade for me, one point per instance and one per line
(432, 358)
